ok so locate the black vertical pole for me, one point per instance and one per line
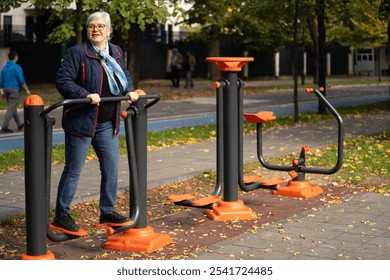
(230, 132)
(140, 142)
(34, 156)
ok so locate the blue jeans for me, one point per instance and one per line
(106, 147)
(189, 82)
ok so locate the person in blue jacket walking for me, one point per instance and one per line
(93, 69)
(12, 81)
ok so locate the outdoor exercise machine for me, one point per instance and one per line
(134, 235)
(229, 169)
(298, 186)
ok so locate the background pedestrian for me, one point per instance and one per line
(189, 67)
(12, 82)
(176, 67)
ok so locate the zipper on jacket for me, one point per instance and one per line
(83, 71)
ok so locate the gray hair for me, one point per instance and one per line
(98, 15)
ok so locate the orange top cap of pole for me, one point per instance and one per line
(140, 91)
(229, 63)
(33, 100)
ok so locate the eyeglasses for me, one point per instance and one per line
(99, 27)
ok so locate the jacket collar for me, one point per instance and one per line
(90, 51)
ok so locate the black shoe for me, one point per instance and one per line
(66, 222)
(20, 127)
(6, 130)
(113, 218)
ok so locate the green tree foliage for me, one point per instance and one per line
(124, 14)
(233, 19)
(7, 5)
(360, 23)
(247, 22)
(72, 20)
(215, 20)
(270, 23)
(128, 17)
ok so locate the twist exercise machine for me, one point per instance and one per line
(298, 186)
(229, 94)
(134, 235)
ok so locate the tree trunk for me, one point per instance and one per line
(379, 64)
(314, 37)
(388, 46)
(213, 51)
(133, 53)
(79, 17)
(321, 52)
(295, 63)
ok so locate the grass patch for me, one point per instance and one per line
(174, 137)
(367, 157)
(12, 221)
(364, 156)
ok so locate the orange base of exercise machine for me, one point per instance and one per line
(110, 227)
(251, 179)
(138, 240)
(272, 182)
(265, 183)
(230, 211)
(47, 257)
(300, 189)
(80, 232)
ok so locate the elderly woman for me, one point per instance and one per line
(92, 70)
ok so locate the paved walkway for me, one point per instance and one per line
(356, 228)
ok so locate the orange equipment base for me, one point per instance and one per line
(80, 232)
(111, 226)
(181, 197)
(205, 200)
(138, 240)
(230, 211)
(300, 189)
(272, 182)
(251, 179)
(47, 257)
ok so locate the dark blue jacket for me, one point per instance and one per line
(81, 73)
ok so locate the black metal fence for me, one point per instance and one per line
(11, 34)
(41, 60)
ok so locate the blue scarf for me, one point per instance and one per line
(111, 67)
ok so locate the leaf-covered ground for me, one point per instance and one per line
(12, 230)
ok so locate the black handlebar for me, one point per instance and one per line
(340, 139)
(155, 97)
(305, 169)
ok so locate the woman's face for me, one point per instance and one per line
(98, 32)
